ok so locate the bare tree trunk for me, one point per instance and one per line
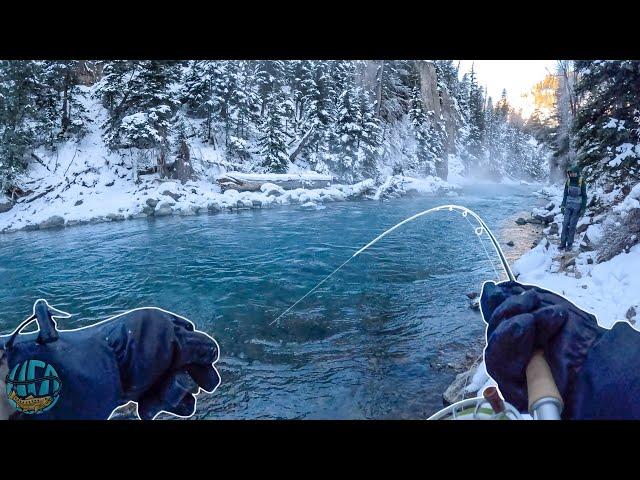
(183, 169)
(65, 103)
(379, 89)
(301, 145)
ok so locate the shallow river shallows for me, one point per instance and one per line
(378, 340)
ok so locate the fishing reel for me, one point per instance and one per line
(488, 407)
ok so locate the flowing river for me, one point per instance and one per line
(380, 339)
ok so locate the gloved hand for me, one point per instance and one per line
(562, 210)
(522, 319)
(148, 356)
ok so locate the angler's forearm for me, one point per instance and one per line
(608, 384)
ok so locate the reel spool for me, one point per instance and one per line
(488, 407)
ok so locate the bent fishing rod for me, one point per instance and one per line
(545, 402)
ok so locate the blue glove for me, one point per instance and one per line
(522, 319)
(148, 356)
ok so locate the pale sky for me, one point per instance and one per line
(517, 76)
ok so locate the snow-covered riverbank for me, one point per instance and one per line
(102, 196)
(97, 191)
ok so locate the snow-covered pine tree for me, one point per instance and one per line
(269, 78)
(447, 74)
(604, 123)
(141, 102)
(203, 93)
(316, 108)
(18, 113)
(245, 110)
(396, 89)
(474, 111)
(369, 138)
(493, 151)
(61, 112)
(345, 133)
(424, 158)
(272, 142)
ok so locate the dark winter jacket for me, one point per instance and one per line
(577, 181)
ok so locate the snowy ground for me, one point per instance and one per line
(608, 289)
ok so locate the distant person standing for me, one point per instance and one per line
(574, 204)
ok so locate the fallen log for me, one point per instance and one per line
(247, 182)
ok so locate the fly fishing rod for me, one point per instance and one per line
(464, 210)
(545, 403)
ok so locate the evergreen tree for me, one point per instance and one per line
(61, 113)
(273, 147)
(425, 160)
(605, 120)
(141, 102)
(244, 109)
(205, 91)
(18, 111)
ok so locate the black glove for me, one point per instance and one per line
(149, 356)
(522, 319)
(562, 209)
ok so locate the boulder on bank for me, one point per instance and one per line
(521, 221)
(152, 202)
(554, 229)
(5, 205)
(55, 221)
(586, 245)
(115, 217)
(175, 196)
(582, 228)
(271, 189)
(543, 219)
(164, 209)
